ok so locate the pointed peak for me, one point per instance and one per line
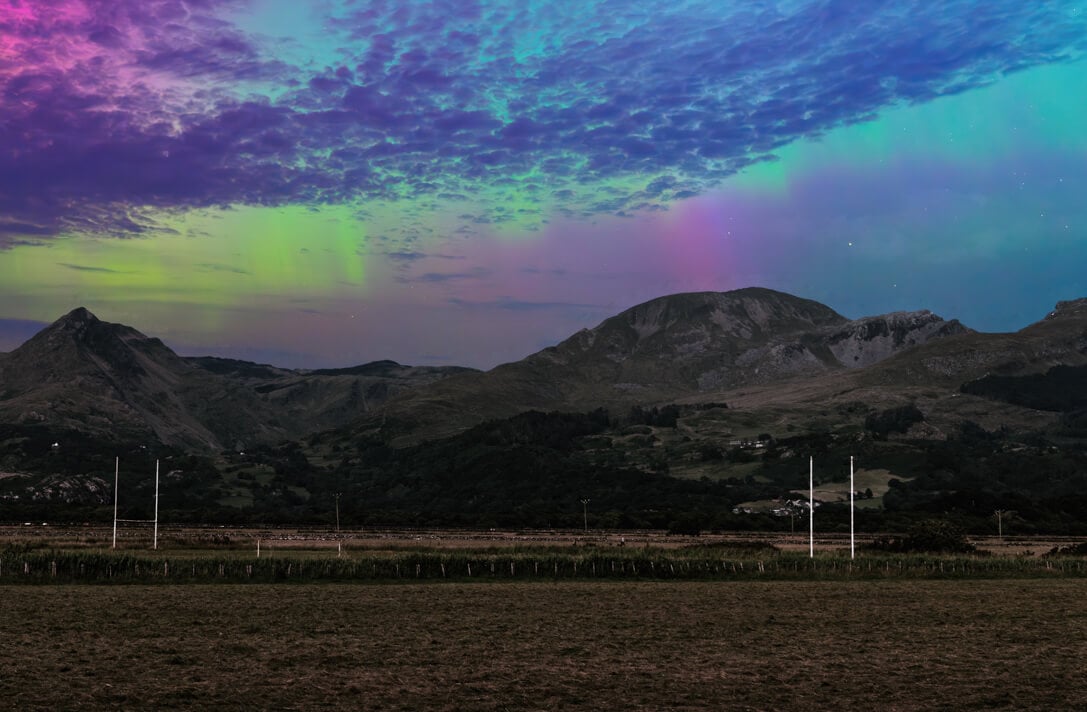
(79, 315)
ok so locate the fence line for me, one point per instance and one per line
(62, 567)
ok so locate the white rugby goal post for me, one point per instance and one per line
(154, 522)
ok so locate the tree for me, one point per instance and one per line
(893, 420)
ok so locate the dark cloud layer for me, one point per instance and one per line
(112, 110)
(13, 332)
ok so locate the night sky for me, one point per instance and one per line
(328, 182)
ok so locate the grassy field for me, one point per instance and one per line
(280, 541)
(886, 645)
(57, 555)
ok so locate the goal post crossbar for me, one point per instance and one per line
(116, 520)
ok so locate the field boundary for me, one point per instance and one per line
(45, 567)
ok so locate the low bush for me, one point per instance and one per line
(929, 536)
(1077, 549)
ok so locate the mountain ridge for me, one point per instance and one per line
(670, 348)
(83, 373)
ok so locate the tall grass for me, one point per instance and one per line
(37, 566)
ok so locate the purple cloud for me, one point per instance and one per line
(112, 110)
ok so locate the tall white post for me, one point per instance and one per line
(851, 488)
(155, 544)
(811, 507)
(116, 479)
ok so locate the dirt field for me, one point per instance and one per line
(886, 645)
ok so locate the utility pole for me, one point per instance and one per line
(155, 544)
(585, 512)
(999, 513)
(337, 496)
(811, 507)
(851, 508)
(116, 479)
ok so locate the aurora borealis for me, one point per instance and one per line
(330, 182)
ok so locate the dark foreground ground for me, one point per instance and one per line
(872, 645)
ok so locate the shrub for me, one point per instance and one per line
(930, 536)
(1077, 549)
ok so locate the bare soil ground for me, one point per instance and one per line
(901, 645)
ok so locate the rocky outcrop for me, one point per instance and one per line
(1072, 309)
(866, 341)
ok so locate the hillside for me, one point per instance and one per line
(680, 347)
(85, 375)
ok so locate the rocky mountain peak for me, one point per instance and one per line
(78, 315)
(81, 330)
(74, 322)
(80, 345)
(697, 321)
(714, 340)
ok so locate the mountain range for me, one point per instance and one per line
(754, 348)
(111, 381)
(701, 407)
(681, 348)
